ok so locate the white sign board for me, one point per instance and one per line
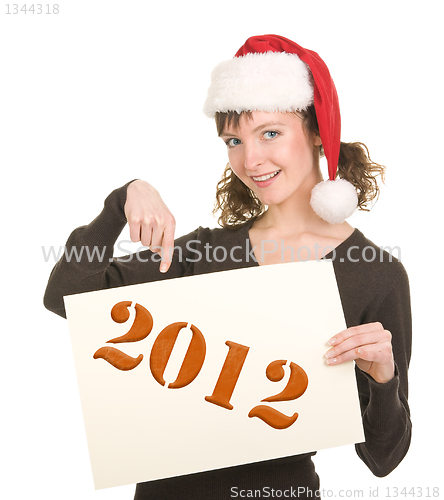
(181, 388)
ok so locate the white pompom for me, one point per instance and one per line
(334, 201)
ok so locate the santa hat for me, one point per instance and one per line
(271, 73)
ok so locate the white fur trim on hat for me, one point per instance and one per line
(334, 201)
(271, 81)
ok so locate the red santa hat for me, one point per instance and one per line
(271, 73)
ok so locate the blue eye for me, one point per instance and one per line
(233, 142)
(270, 134)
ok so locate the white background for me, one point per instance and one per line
(108, 91)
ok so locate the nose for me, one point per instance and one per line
(253, 156)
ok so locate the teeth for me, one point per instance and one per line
(265, 177)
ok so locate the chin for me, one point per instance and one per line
(270, 200)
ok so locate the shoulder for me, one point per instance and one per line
(368, 276)
(360, 256)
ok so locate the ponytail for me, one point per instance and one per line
(354, 163)
(356, 167)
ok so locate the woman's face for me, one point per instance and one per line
(273, 155)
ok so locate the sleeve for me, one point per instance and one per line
(88, 263)
(384, 407)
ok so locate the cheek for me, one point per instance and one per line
(235, 160)
(297, 151)
(237, 173)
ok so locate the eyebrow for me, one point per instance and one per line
(259, 127)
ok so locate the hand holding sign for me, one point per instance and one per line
(369, 345)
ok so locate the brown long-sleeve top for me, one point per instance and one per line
(373, 286)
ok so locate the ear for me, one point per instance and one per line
(317, 141)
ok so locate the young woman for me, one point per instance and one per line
(276, 109)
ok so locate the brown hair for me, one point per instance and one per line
(238, 203)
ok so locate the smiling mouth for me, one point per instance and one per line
(265, 177)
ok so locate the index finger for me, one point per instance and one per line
(167, 249)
